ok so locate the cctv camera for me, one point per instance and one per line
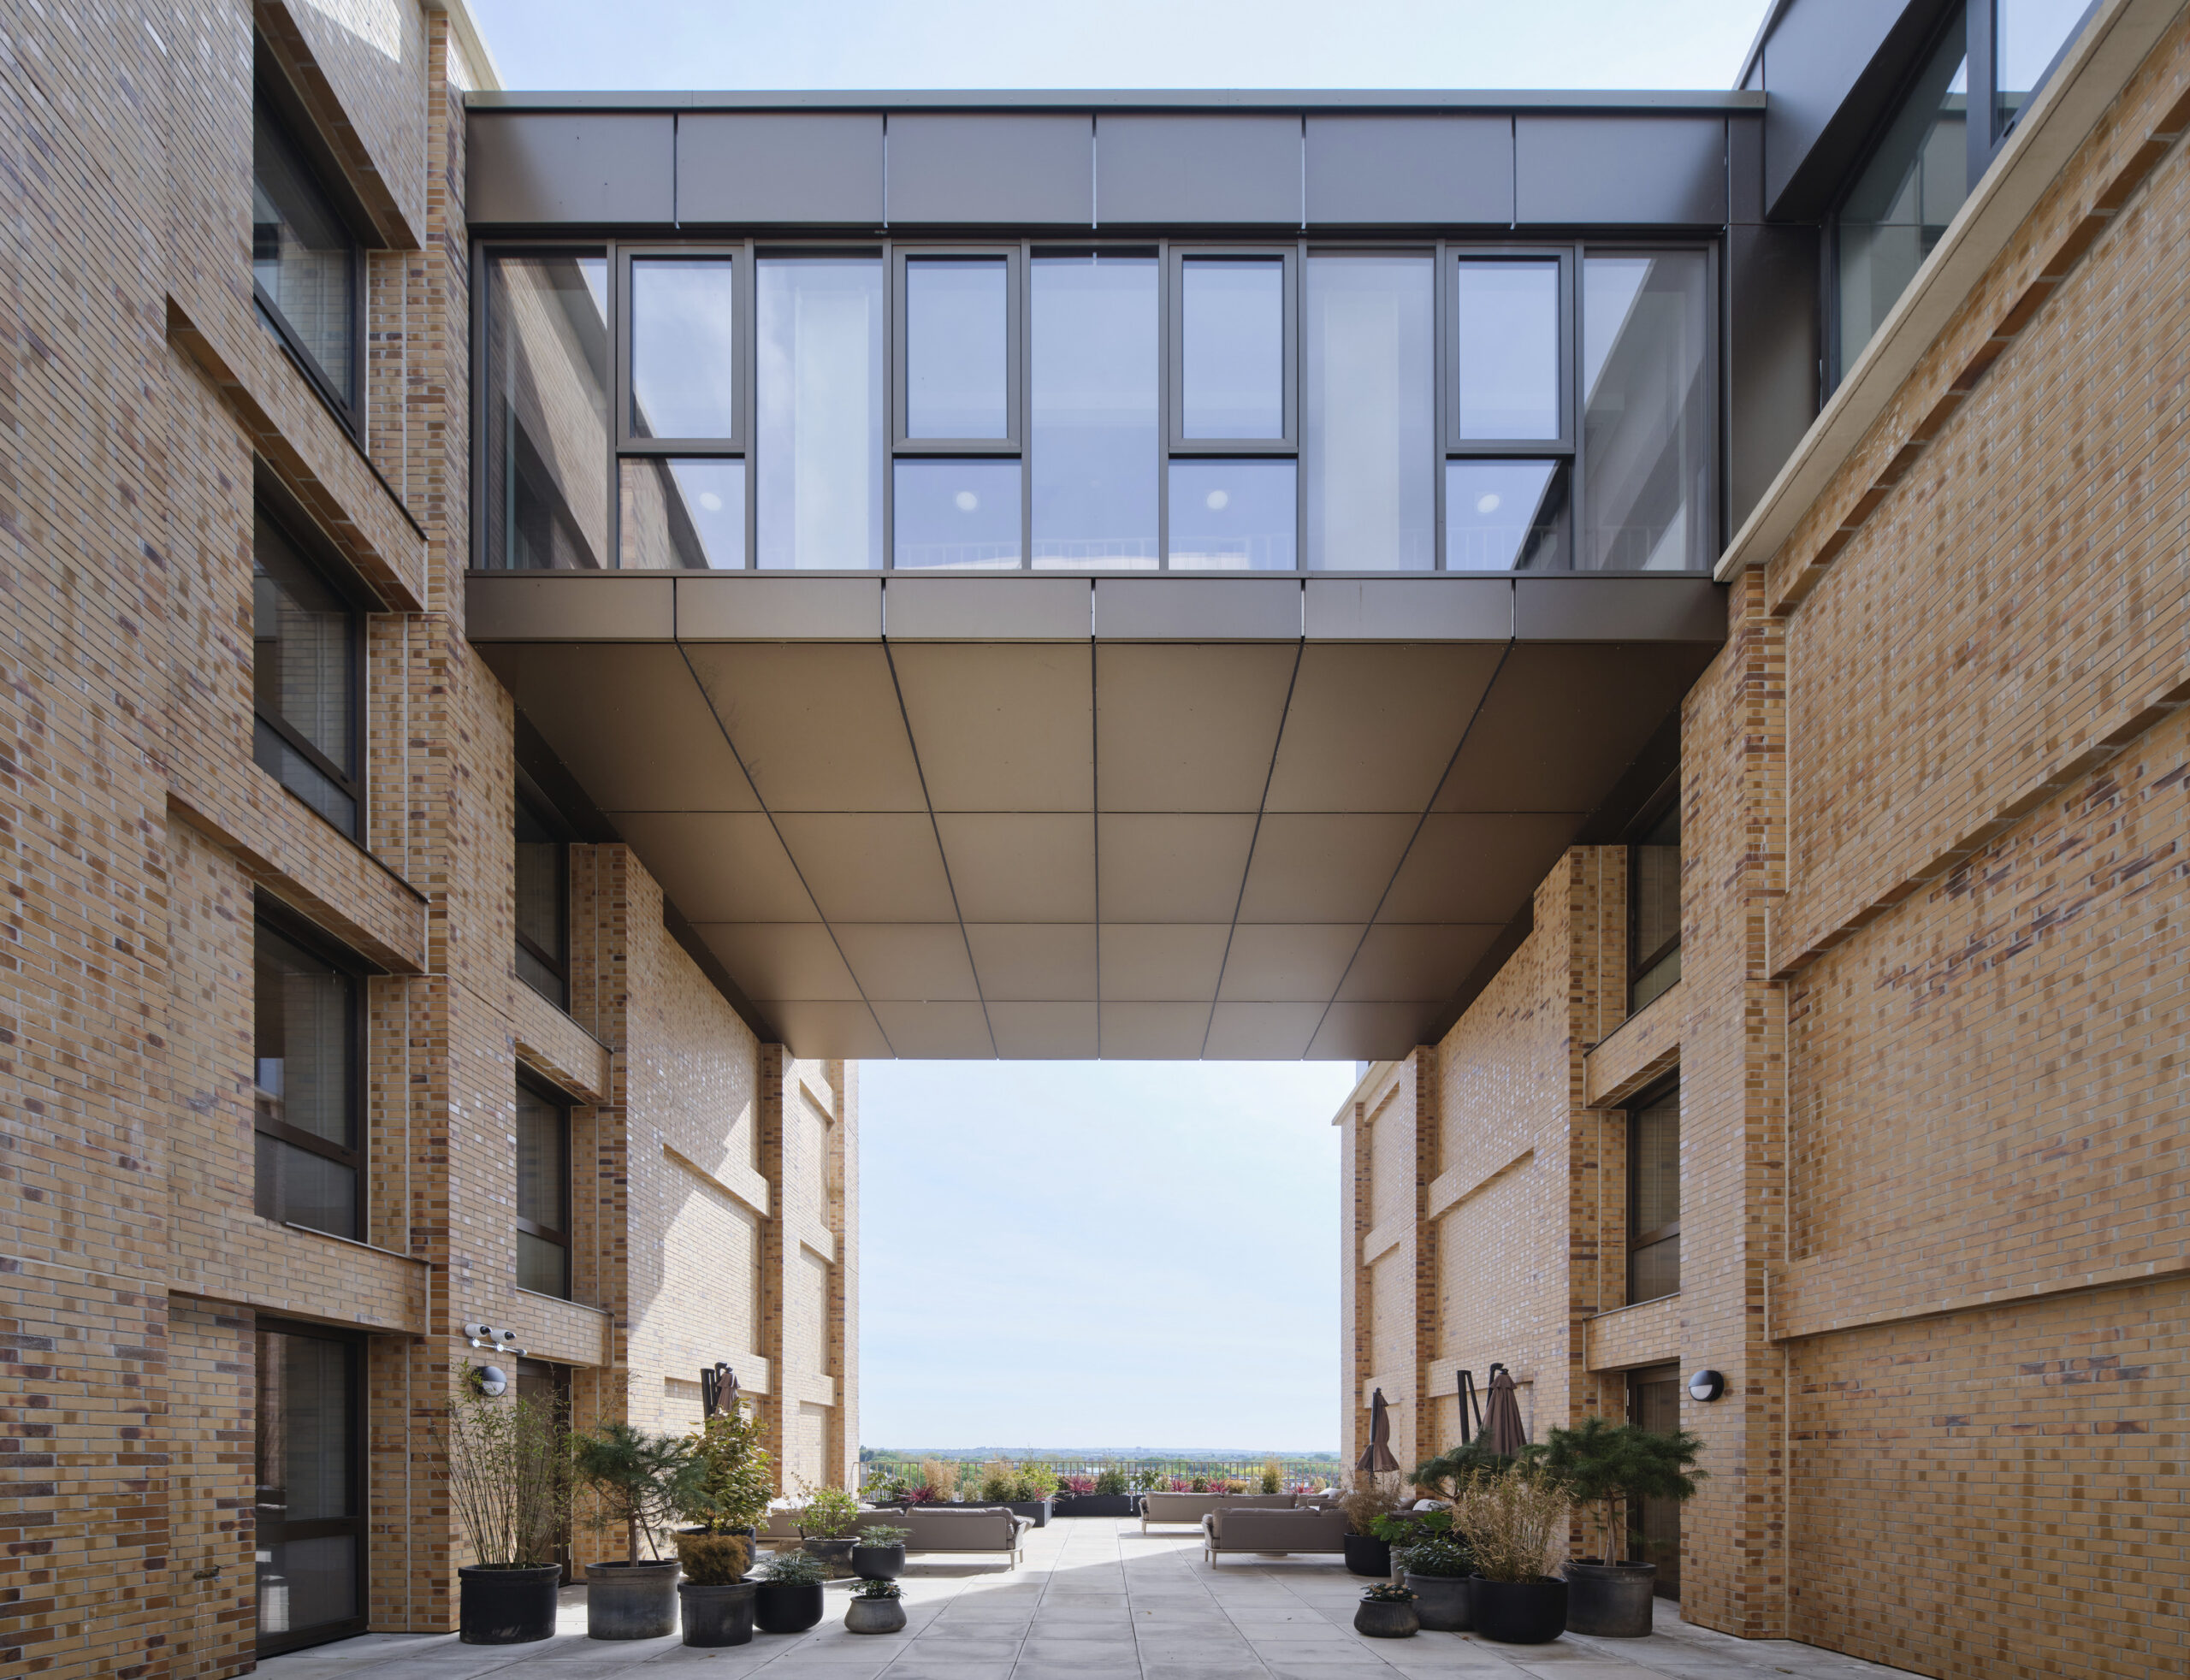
(479, 1331)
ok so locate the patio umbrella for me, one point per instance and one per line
(1377, 1455)
(718, 1391)
(1502, 1423)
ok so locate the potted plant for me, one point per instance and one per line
(715, 1595)
(1386, 1612)
(1516, 1526)
(737, 1477)
(1606, 1469)
(788, 1598)
(1436, 1565)
(1271, 1477)
(1368, 1497)
(828, 1524)
(880, 1553)
(877, 1607)
(639, 1481)
(1033, 1493)
(509, 1483)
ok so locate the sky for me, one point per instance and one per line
(1106, 1255)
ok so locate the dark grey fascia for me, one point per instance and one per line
(1156, 99)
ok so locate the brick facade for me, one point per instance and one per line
(144, 403)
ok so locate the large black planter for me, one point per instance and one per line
(1445, 1602)
(630, 1600)
(1519, 1613)
(836, 1552)
(1365, 1555)
(878, 1563)
(786, 1606)
(1037, 1509)
(1096, 1504)
(507, 1606)
(717, 1614)
(1611, 1602)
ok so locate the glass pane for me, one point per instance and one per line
(1647, 414)
(688, 514)
(955, 331)
(1232, 516)
(302, 257)
(2027, 35)
(1234, 355)
(299, 1187)
(306, 1473)
(542, 911)
(957, 514)
(1369, 421)
(1653, 1147)
(1506, 338)
(1094, 419)
(542, 1160)
(821, 427)
(1655, 888)
(304, 671)
(1506, 516)
(303, 1040)
(1654, 1270)
(683, 347)
(304, 779)
(542, 1266)
(545, 497)
(1902, 202)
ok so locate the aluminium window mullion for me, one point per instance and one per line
(295, 739)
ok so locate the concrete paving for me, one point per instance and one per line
(1094, 1600)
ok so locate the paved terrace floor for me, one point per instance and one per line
(1094, 1600)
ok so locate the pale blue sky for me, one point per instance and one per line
(1106, 1254)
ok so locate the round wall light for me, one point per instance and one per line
(1706, 1386)
(493, 1380)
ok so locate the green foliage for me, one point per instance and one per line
(714, 1560)
(1271, 1477)
(1443, 1555)
(1388, 1592)
(1368, 1497)
(1606, 1468)
(881, 1533)
(877, 1590)
(1110, 1479)
(1033, 1482)
(1516, 1523)
(509, 1480)
(1441, 1477)
(1407, 1528)
(737, 1477)
(643, 1481)
(830, 1513)
(793, 1569)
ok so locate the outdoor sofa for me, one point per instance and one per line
(1272, 1533)
(1190, 1508)
(963, 1528)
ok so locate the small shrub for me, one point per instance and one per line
(877, 1590)
(1273, 1475)
(1033, 1482)
(1078, 1486)
(1388, 1592)
(998, 1480)
(714, 1560)
(1445, 1556)
(1516, 1523)
(1367, 1498)
(830, 1513)
(939, 1477)
(881, 1533)
(794, 1568)
(1110, 1479)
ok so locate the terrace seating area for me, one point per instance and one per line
(1095, 1600)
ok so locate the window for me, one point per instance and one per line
(543, 1193)
(1095, 407)
(819, 430)
(1902, 200)
(1649, 448)
(1370, 425)
(543, 896)
(1653, 906)
(956, 513)
(2028, 38)
(1506, 349)
(310, 1527)
(306, 671)
(1654, 1404)
(957, 348)
(683, 347)
(1653, 1196)
(305, 1047)
(304, 263)
(543, 498)
(1505, 515)
(1232, 516)
(679, 512)
(1232, 363)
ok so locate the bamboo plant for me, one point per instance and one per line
(509, 1481)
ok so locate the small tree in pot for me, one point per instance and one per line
(880, 1553)
(1516, 1525)
(1368, 1497)
(737, 1477)
(1607, 1470)
(509, 1485)
(789, 1597)
(828, 1523)
(640, 1482)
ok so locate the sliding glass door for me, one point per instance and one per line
(312, 1525)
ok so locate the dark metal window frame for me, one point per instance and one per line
(278, 104)
(562, 1103)
(1988, 136)
(271, 914)
(1641, 962)
(1169, 253)
(556, 963)
(322, 1528)
(313, 551)
(1649, 1097)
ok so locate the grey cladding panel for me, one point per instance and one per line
(1585, 608)
(1816, 54)
(1621, 170)
(1391, 609)
(1390, 170)
(1772, 285)
(1197, 169)
(780, 168)
(580, 166)
(1197, 609)
(977, 167)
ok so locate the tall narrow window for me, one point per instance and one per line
(543, 894)
(1505, 337)
(304, 1050)
(822, 415)
(2028, 37)
(310, 1528)
(1647, 403)
(543, 1193)
(1369, 415)
(304, 676)
(1095, 410)
(683, 347)
(957, 365)
(304, 261)
(546, 412)
(1653, 1196)
(1232, 360)
(1653, 907)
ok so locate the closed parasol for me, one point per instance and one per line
(1376, 1457)
(1501, 1422)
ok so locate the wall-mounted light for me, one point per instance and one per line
(1706, 1386)
(491, 1381)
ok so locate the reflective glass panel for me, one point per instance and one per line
(1506, 516)
(688, 514)
(957, 514)
(304, 677)
(303, 1051)
(1654, 868)
(2027, 36)
(822, 419)
(545, 501)
(955, 333)
(1654, 1199)
(1506, 349)
(543, 1179)
(1368, 418)
(542, 894)
(1648, 414)
(1232, 516)
(1901, 203)
(1233, 354)
(306, 1429)
(683, 347)
(1094, 416)
(302, 258)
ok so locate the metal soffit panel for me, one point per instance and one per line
(1156, 849)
